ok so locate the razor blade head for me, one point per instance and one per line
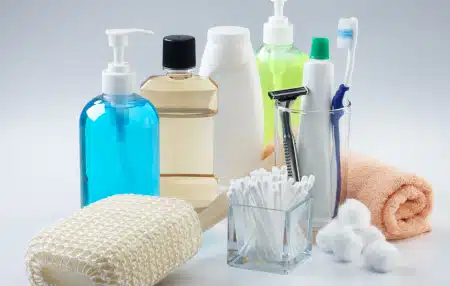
(288, 94)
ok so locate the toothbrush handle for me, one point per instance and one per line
(337, 150)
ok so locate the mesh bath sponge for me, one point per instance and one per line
(122, 240)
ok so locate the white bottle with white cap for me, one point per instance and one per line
(229, 60)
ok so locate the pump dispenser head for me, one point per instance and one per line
(278, 30)
(118, 79)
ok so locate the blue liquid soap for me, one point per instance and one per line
(119, 147)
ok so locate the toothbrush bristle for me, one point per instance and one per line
(345, 33)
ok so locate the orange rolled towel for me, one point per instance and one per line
(400, 202)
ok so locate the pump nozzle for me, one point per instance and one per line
(118, 40)
(278, 30)
(278, 6)
(118, 78)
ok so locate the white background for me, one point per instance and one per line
(51, 57)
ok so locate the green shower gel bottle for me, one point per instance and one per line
(280, 65)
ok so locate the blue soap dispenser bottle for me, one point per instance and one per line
(119, 133)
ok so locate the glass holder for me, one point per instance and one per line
(269, 240)
(321, 144)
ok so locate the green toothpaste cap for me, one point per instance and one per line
(320, 49)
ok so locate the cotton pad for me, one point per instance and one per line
(381, 256)
(346, 245)
(369, 235)
(325, 236)
(355, 214)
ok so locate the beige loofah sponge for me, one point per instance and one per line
(122, 240)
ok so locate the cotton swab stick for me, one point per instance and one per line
(264, 196)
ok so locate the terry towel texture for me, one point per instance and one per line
(400, 202)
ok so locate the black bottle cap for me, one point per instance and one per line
(179, 52)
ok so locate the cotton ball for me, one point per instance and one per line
(347, 246)
(381, 256)
(325, 236)
(369, 235)
(355, 214)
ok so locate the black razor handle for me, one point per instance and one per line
(290, 149)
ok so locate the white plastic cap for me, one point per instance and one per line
(227, 42)
(118, 79)
(278, 30)
(228, 35)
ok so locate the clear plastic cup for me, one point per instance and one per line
(322, 154)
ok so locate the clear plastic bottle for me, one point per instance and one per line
(119, 147)
(186, 104)
(280, 67)
(119, 134)
(280, 64)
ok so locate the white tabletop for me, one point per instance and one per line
(424, 262)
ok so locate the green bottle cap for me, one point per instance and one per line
(320, 49)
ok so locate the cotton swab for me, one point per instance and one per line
(261, 199)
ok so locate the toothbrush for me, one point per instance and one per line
(284, 98)
(347, 38)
